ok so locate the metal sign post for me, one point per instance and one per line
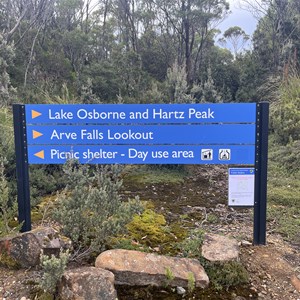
(261, 165)
(22, 167)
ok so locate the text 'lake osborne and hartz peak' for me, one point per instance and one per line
(155, 114)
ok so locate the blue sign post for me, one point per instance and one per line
(138, 133)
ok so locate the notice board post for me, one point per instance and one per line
(22, 167)
(261, 165)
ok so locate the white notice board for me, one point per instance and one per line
(241, 186)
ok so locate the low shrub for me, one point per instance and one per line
(226, 275)
(8, 209)
(191, 246)
(53, 269)
(90, 209)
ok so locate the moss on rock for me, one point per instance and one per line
(7, 261)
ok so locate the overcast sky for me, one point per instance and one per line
(239, 17)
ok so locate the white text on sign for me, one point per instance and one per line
(157, 114)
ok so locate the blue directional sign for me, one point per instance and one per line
(146, 134)
(140, 113)
(141, 133)
(137, 154)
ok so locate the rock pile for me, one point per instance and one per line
(118, 266)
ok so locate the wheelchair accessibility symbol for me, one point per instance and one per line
(224, 154)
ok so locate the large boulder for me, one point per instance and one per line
(218, 248)
(24, 249)
(138, 268)
(87, 283)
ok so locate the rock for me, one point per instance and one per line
(296, 282)
(219, 248)
(246, 243)
(139, 269)
(87, 283)
(180, 290)
(24, 249)
(51, 242)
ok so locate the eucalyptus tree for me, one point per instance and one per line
(236, 37)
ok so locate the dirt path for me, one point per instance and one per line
(271, 271)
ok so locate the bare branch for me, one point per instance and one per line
(31, 55)
(257, 8)
(13, 30)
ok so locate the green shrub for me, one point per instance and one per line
(8, 210)
(285, 112)
(284, 195)
(90, 209)
(283, 189)
(191, 246)
(169, 276)
(7, 133)
(283, 175)
(191, 282)
(53, 269)
(45, 180)
(225, 275)
(221, 275)
(286, 156)
(168, 168)
(286, 221)
(7, 151)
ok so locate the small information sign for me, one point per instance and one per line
(241, 186)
